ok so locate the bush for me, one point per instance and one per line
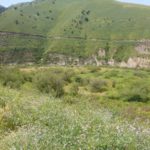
(67, 75)
(12, 78)
(78, 79)
(49, 83)
(81, 81)
(138, 92)
(74, 89)
(98, 85)
(94, 69)
(57, 85)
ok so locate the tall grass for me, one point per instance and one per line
(43, 117)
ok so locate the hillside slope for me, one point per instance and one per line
(2, 8)
(75, 28)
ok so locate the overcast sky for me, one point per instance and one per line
(7, 3)
(145, 2)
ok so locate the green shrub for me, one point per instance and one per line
(67, 75)
(12, 78)
(138, 92)
(78, 79)
(74, 89)
(49, 83)
(57, 85)
(94, 69)
(43, 83)
(98, 85)
(81, 81)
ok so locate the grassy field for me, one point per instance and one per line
(92, 21)
(74, 108)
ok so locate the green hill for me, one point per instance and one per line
(75, 28)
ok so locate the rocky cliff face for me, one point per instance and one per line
(136, 62)
(141, 60)
(132, 62)
(28, 57)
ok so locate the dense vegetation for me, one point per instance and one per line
(74, 108)
(88, 26)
